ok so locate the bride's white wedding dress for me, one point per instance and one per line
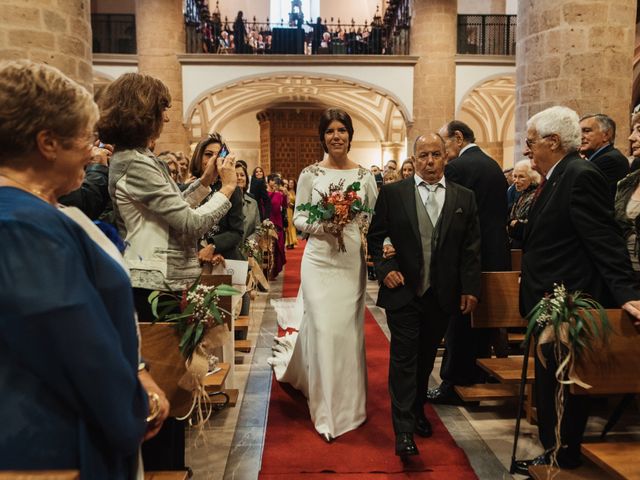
(325, 360)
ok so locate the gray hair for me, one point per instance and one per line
(531, 173)
(605, 122)
(561, 121)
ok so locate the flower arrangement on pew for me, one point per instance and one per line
(575, 324)
(199, 312)
(200, 325)
(251, 249)
(337, 208)
(267, 236)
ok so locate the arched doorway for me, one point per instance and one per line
(488, 108)
(379, 118)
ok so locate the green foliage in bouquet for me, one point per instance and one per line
(338, 205)
(573, 312)
(198, 311)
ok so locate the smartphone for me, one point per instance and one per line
(224, 151)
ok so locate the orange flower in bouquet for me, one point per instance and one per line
(337, 208)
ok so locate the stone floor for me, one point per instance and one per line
(230, 446)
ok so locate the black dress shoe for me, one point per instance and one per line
(442, 396)
(521, 467)
(423, 427)
(405, 446)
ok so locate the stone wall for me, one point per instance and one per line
(56, 32)
(578, 54)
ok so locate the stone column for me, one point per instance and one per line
(392, 151)
(578, 54)
(433, 38)
(54, 32)
(160, 37)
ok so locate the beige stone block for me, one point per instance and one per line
(65, 63)
(18, 16)
(528, 93)
(576, 38)
(584, 12)
(608, 38)
(622, 13)
(80, 29)
(558, 90)
(619, 65)
(31, 39)
(11, 54)
(550, 67)
(550, 18)
(581, 64)
(71, 45)
(55, 22)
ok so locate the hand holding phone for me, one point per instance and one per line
(224, 151)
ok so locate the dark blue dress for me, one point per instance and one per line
(69, 391)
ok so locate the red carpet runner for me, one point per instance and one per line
(294, 450)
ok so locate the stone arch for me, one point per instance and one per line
(489, 107)
(387, 117)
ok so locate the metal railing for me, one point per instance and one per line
(209, 33)
(113, 33)
(487, 34)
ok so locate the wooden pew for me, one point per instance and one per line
(40, 475)
(613, 369)
(516, 259)
(498, 308)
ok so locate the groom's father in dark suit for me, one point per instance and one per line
(470, 167)
(571, 238)
(434, 273)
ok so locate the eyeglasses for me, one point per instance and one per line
(531, 143)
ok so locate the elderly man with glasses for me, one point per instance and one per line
(570, 238)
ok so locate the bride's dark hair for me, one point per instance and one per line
(328, 116)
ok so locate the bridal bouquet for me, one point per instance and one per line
(337, 208)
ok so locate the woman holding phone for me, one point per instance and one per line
(223, 238)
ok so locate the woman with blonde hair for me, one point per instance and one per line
(526, 181)
(72, 398)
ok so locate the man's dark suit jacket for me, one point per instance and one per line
(571, 237)
(481, 174)
(455, 258)
(613, 164)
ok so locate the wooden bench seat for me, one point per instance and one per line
(166, 475)
(241, 324)
(40, 475)
(243, 346)
(587, 471)
(487, 391)
(620, 460)
(215, 381)
(507, 370)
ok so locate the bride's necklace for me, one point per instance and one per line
(38, 193)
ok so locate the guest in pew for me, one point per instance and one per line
(472, 168)
(224, 238)
(433, 275)
(407, 169)
(251, 220)
(71, 395)
(258, 188)
(526, 182)
(627, 204)
(160, 224)
(250, 214)
(571, 238)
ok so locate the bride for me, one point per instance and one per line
(325, 359)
